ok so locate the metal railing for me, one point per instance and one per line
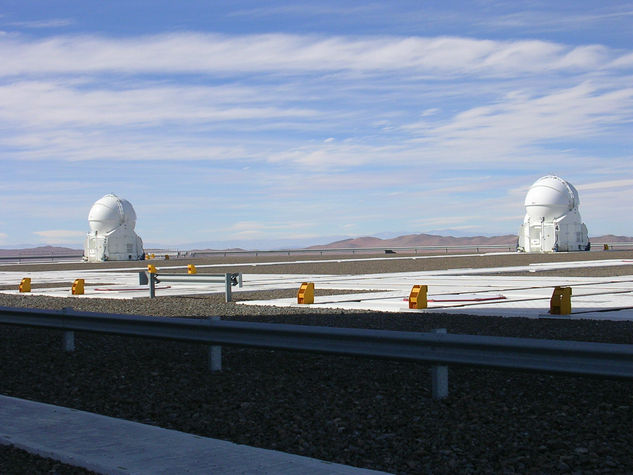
(353, 250)
(228, 279)
(46, 258)
(523, 354)
(611, 246)
(595, 246)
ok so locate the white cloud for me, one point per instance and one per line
(276, 53)
(606, 185)
(271, 228)
(503, 128)
(251, 134)
(59, 105)
(52, 23)
(60, 236)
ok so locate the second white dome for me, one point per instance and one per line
(550, 197)
(110, 212)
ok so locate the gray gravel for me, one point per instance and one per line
(368, 413)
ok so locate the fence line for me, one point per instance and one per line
(596, 246)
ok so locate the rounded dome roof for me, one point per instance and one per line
(550, 197)
(110, 212)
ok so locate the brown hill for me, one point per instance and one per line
(412, 240)
(417, 240)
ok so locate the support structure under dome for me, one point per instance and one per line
(112, 237)
(552, 222)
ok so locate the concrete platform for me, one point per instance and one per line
(116, 446)
(466, 291)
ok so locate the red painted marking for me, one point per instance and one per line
(131, 290)
(477, 299)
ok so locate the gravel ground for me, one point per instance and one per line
(368, 413)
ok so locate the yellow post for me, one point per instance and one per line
(560, 303)
(78, 287)
(25, 285)
(151, 268)
(605, 247)
(152, 255)
(306, 293)
(418, 296)
(191, 269)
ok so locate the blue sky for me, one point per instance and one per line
(250, 121)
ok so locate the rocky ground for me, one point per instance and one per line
(367, 413)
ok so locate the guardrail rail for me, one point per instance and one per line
(523, 354)
(228, 279)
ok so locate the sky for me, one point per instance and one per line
(270, 123)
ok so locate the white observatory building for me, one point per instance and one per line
(552, 222)
(112, 237)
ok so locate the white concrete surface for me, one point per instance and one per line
(115, 446)
(450, 291)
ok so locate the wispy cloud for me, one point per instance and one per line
(38, 24)
(288, 134)
(276, 53)
(606, 185)
(59, 236)
(541, 20)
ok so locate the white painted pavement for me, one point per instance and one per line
(465, 291)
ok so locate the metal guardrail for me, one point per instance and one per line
(523, 354)
(615, 246)
(595, 246)
(354, 250)
(228, 279)
(50, 257)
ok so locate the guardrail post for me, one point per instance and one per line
(69, 336)
(227, 287)
(152, 284)
(215, 355)
(439, 377)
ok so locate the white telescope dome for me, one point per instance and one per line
(109, 213)
(550, 197)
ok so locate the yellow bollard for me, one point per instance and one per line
(151, 268)
(306, 293)
(418, 296)
(605, 247)
(191, 269)
(25, 285)
(560, 303)
(152, 255)
(78, 287)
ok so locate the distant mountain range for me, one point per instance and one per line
(41, 251)
(412, 240)
(408, 240)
